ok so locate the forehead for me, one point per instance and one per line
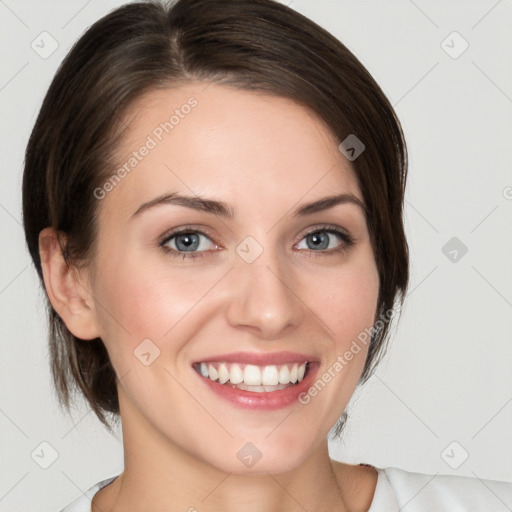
(242, 147)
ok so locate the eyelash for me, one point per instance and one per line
(348, 242)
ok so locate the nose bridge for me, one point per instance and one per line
(263, 295)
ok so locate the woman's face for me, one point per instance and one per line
(250, 285)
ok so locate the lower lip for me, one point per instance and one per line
(265, 400)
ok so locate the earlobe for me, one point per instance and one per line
(69, 295)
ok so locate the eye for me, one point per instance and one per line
(187, 243)
(323, 240)
(192, 243)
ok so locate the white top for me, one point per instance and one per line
(398, 490)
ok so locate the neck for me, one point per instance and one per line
(182, 483)
(159, 475)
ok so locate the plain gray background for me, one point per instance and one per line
(441, 401)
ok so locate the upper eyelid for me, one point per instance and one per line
(171, 233)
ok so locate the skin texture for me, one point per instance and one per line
(264, 156)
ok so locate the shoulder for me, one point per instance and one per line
(419, 492)
(83, 502)
(391, 489)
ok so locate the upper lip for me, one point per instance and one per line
(259, 358)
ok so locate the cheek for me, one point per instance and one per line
(349, 302)
(348, 311)
(146, 298)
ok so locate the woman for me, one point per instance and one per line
(213, 200)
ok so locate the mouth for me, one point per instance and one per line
(258, 381)
(251, 377)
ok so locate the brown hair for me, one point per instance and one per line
(256, 45)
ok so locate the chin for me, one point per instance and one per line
(261, 456)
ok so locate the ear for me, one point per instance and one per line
(66, 287)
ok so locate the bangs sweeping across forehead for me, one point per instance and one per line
(257, 45)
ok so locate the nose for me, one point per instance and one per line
(263, 299)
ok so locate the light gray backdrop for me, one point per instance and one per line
(441, 402)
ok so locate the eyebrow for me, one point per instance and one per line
(222, 209)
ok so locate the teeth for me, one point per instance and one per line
(251, 375)
(223, 373)
(293, 373)
(270, 376)
(301, 371)
(212, 372)
(284, 375)
(236, 375)
(262, 389)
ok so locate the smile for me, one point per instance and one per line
(251, 377)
